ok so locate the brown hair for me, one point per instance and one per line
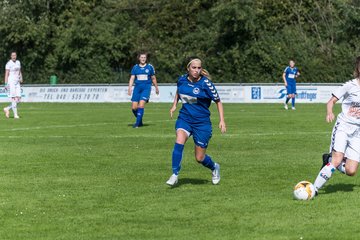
(142, 53)
(204, 72)
(357, 68)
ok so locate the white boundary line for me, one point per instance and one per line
(167, 135)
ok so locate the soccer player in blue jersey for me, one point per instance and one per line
(196, 91)
(143, 74)
(290, 73)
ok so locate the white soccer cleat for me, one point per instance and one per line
(16, 117)
(293, 108)
(172, 180)
(286, 106)
(7, 112)
(216, 174)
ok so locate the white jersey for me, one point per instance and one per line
(14, 70)
(350, 92)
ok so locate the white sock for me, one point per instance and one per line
(341, 167)
(14, 107)
(324, 175)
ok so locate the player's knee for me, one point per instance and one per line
(351, 172)
(337, 158)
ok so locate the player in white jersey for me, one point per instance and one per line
(13, 78)
(345, 138)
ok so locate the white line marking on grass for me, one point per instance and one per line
(95, 136)
(57, 126)
(167, 135)
(74, 126)
(274, 134)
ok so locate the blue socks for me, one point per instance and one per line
(139, 116)
(208, 162)
(177, 157)
(293, 102)
(134, 112)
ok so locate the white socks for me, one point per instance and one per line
(14, 106)
(341, 167)
(324, 175)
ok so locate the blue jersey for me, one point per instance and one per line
(290, 73)
(196, 98)
(143, 74)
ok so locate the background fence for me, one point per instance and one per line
(244, 93)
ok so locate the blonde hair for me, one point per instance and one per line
(203, 72)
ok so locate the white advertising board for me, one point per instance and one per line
(113, 93)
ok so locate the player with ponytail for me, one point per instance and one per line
(196, 91)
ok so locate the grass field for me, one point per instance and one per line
(80, 171)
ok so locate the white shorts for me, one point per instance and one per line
(14, 89)
(345, 138)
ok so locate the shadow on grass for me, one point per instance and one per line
(144, 125)
(192, 181)
(340, 187)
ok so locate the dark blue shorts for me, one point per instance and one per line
(141, 92)
(291, 88)
(201, 132)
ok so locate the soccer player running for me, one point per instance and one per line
(196, 92)
(143, 74)
(345, 138)
(290, 73)
(13, 78)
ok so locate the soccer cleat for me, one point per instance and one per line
(172, 180)
(135, 126)
(325, 159)
(216, 174)
(16, 117)
(286, 106)
(7, 112)
(293, 108)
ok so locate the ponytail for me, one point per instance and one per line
(205, 73)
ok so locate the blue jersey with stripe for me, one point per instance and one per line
(143, 74)
(196, 99)
(290, 73)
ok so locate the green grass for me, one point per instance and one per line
(80, 171)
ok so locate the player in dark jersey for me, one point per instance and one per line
(143, 74)
(289, 76)
(196, 91)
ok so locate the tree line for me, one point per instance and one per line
(240, 41)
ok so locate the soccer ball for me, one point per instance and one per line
(304, 190)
